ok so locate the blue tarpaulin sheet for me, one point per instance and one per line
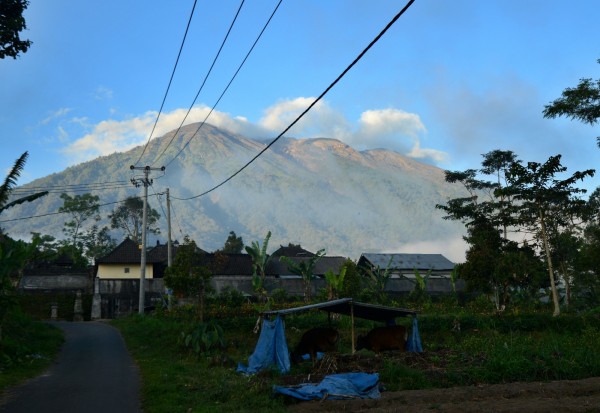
(336, 387)
(271, 349)
(414, 341)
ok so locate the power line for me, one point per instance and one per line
(202, 85)
(360, 56)
(21, 192)
(67, 212)
(170, 81)
(178, 223)
(70, 185)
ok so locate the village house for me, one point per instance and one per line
(403, 268)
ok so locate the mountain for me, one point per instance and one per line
(319, 193)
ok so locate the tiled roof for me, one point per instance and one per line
(127, 252)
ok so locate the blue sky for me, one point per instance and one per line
(451, 80)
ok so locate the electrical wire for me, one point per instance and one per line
(229, 84)
(177, 221)
(202, 85)
(360, 56)
(25, 191)
(67, 212)
(169, 85)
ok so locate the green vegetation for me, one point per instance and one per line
(464, 345)
(27, 348)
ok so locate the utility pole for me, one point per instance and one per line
(145, 182)
(169, 245)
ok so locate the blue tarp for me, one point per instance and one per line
(271, 349)
(414, 341)
(336, 387)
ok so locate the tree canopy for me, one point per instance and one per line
(129, 217)
(12, 23)
(581, 102)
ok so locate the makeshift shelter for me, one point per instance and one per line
(355, 309)
(271, 348)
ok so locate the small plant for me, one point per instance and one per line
(203, 338)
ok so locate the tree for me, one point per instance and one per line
(305, 268)
(581, 103)
(13, 257)
(97, 242)
(12, 23)
(260, 259)
(11, 181)
(543, 198)
(233, 244)
(81, 208)
(190, 275)
(129, 218)
(335, 282)
(377, 279)
(487, 212)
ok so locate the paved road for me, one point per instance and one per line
(93, 374)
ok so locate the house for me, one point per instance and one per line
(124, 261)
(402, 267)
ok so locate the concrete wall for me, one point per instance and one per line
(118, 271)
(46, 283)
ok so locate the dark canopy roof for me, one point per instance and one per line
(347, 306)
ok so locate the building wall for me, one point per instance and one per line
(118, 271)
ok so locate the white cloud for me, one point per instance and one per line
(59, 113)
(387, 128)
(103, 93)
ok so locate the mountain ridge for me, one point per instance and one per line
(320, 193)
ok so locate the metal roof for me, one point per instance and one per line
(435, 262)
(347, 306)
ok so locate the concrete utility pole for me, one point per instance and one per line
(145, 182)
(169, 245)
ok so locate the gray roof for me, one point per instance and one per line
(435, 262)
(348, 306)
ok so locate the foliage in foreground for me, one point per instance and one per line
(28, 347)
(460, 349)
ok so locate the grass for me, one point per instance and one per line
(487, 349)
(27, 349)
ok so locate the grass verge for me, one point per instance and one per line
(27, 348)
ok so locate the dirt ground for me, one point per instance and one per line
(535, 397)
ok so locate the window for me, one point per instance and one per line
(126, 270)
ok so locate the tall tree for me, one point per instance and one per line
(487, 213)
(12, 23)
(260, 259)
(542, 198)
(581, 103)
(304, 267)
(97, 242)
(233, 244)
(81, 208)
(129, 217)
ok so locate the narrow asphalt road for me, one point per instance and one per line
(93, 374)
